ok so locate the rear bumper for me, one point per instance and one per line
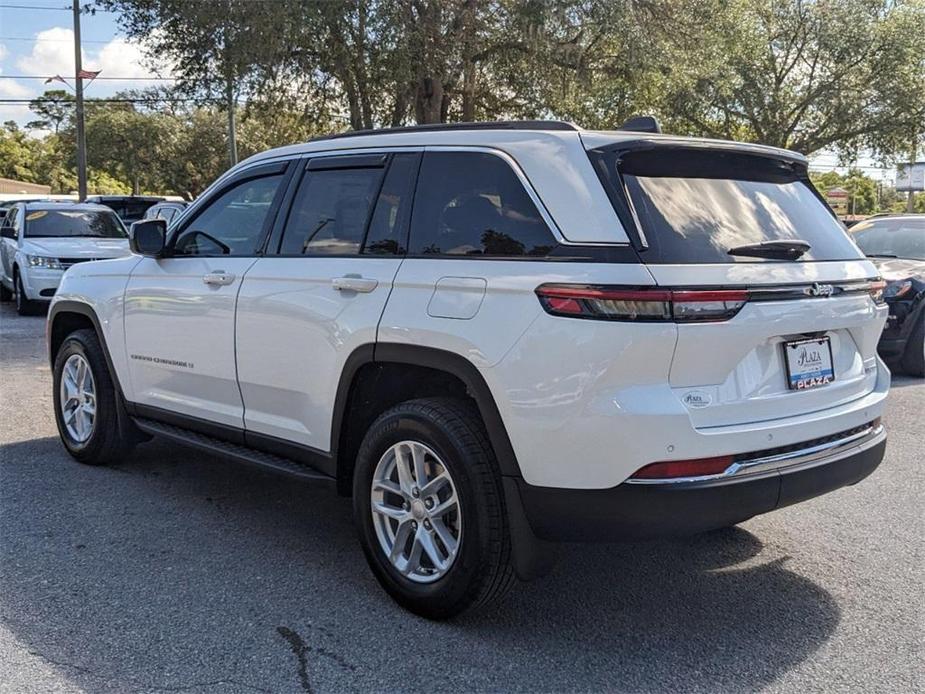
(636, 511)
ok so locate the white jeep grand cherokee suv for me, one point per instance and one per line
(493, 336)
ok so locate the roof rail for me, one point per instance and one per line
(440, 127)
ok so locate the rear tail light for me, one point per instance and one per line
(613, 303)
(675, 469)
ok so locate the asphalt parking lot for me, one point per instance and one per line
(177, 571)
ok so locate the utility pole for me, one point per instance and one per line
(229, 90)
(79, 84)
(232, 139)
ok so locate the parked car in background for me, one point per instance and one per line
(40, 240)
(896, 244)
(493, 335)
(130, 208)
(168, 211)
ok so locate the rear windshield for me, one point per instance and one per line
(73, 223)
(694, 206)
(895, 237)
(129, 210)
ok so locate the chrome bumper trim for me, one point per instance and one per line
(791, 461)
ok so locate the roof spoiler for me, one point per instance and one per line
(641, 124)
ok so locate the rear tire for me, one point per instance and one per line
(82, 384)
(5, 294)
(457, 458)
(913, 359)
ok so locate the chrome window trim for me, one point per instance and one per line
(820, 454)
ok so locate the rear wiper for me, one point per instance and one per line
(882, 255)
(778, 250)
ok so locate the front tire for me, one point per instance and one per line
(429, 508)
(86, 401)
(24, 305)
(5, 294)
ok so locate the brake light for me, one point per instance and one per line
(683, 468)
(614, 303)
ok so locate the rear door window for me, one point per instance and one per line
(473, 204)
(330, 211)
(693, 206)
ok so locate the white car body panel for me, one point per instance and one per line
(100, 286)
(179, 337)
(294, 333)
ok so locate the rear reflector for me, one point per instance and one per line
(683, 468)
(611, 303)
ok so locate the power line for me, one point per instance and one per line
(151, 100)
(35, 7)
(38, 40)
(118, 79)
(67, 8)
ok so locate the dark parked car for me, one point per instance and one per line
(130, 208)
(168, 211)
(896, 244)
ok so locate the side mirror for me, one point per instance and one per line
(8, 233)
(147, 237)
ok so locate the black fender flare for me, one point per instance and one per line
(532, 557)
(83, 309)
(439, 360)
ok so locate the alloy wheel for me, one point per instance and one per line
(78, 398)
(416, 513)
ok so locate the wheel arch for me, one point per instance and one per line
(64, 317)
(372, 361)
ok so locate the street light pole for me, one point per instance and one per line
(79, 85)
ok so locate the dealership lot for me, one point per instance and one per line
(176, 571)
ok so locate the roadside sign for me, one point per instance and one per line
(837, 199)
(910, 177)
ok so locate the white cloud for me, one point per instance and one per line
(52, 54)
(3, 51)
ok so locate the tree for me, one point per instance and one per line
(807, 75)
(17, 154)
(53, 108)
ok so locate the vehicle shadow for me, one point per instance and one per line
(179, 570)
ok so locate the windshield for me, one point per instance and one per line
(900, 237)
(694, 206)
(73, 223)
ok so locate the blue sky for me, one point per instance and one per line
(40, 42)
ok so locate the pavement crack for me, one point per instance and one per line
(300, 650)
(59, 663)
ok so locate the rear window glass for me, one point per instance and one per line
(73, 223)
(694, 206)
(899, 237)
(473, 204)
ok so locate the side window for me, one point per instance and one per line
(472, 203)
(233, 223)
(388, 229)
(330, 211)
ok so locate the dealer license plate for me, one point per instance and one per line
(809, 363)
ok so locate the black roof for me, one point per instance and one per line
(125, 198)
(440, 127)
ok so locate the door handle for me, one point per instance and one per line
(218, 278)
(354, 283)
